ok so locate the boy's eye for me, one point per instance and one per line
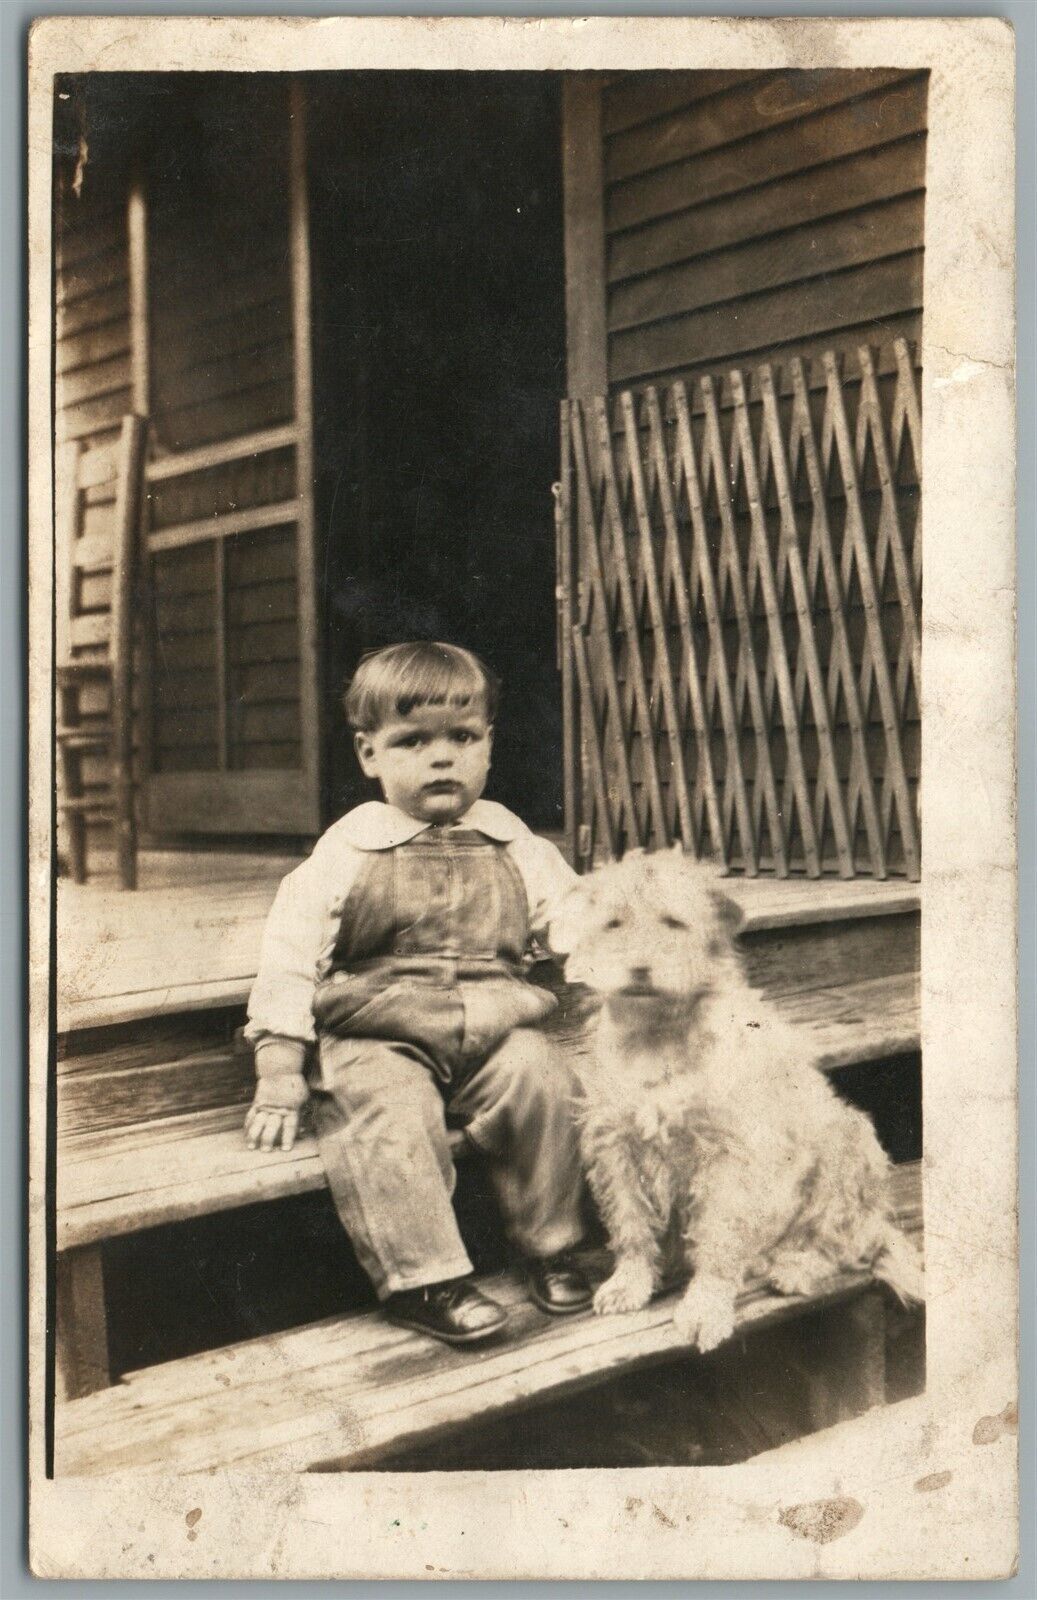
(673, 922)
(410, 741)
(463, 736)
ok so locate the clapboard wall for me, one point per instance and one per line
(754, 214)
(92, 320)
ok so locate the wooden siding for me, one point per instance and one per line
(92, 313)
(747, 216)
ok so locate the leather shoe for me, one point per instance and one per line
(557, 1284)
(453, 1311)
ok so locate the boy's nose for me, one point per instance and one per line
(443, 757)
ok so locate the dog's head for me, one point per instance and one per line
(648, 927)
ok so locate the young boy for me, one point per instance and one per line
(398, 945)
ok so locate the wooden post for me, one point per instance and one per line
(140, 334)
(81, 1325)
(121, 647)
(583, 187)
(140, 380)
(302, 332)
(222, 696)
(563, 491)
(850, 1376)
(586, 376)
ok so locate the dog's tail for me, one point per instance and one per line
(899, 1266)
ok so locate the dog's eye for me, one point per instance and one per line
(674, 922)
(613, 922)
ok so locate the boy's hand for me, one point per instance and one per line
(274, 1113)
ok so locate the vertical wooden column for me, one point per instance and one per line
(81, 1331)
(583, 191)
(583, 187)
(302, 332)
(843, 1364)
(127, 500)
(140, 380)
(140, 331)
(566, 577)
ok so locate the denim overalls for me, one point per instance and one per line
(425, 1012)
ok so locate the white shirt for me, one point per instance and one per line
(303, 923)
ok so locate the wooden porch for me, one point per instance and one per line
(151, 1091)
(188, 938)
(738, 588)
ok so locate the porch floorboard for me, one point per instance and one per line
(116, 1180)
(188, 937)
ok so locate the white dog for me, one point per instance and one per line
(702, 1111)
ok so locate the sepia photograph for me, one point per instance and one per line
(487, 828)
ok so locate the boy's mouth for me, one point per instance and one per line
(441, 786)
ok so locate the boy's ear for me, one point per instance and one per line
(364, 753)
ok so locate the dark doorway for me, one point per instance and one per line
(439, 345)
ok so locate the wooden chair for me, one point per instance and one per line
(98, 510)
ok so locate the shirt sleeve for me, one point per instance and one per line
(299, 931)
(548, 878)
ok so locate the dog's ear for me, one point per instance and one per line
(728, 913)
(565, 927)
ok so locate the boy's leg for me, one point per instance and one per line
(382, 1136)
(518, 1110)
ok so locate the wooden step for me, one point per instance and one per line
(127, 1163)
(219, 904)
(117, 1182)
(348, 1391)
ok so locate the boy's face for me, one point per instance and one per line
(431, 764)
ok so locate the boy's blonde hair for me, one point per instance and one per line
(393, 681)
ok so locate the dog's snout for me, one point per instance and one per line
(640, 974)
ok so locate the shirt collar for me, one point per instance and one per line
(377, 826)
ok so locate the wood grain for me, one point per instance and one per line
(346, 1391)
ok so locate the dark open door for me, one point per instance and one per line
(220, 270)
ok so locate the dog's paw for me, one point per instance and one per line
(629, 1289)
(705, 1314)
(799, 1275)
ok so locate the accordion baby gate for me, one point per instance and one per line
(739, 592)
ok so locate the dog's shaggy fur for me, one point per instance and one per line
(702, 1119)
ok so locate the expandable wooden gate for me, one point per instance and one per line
(739, 583)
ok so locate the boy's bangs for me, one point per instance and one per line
(438, 683)
(396, 681)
